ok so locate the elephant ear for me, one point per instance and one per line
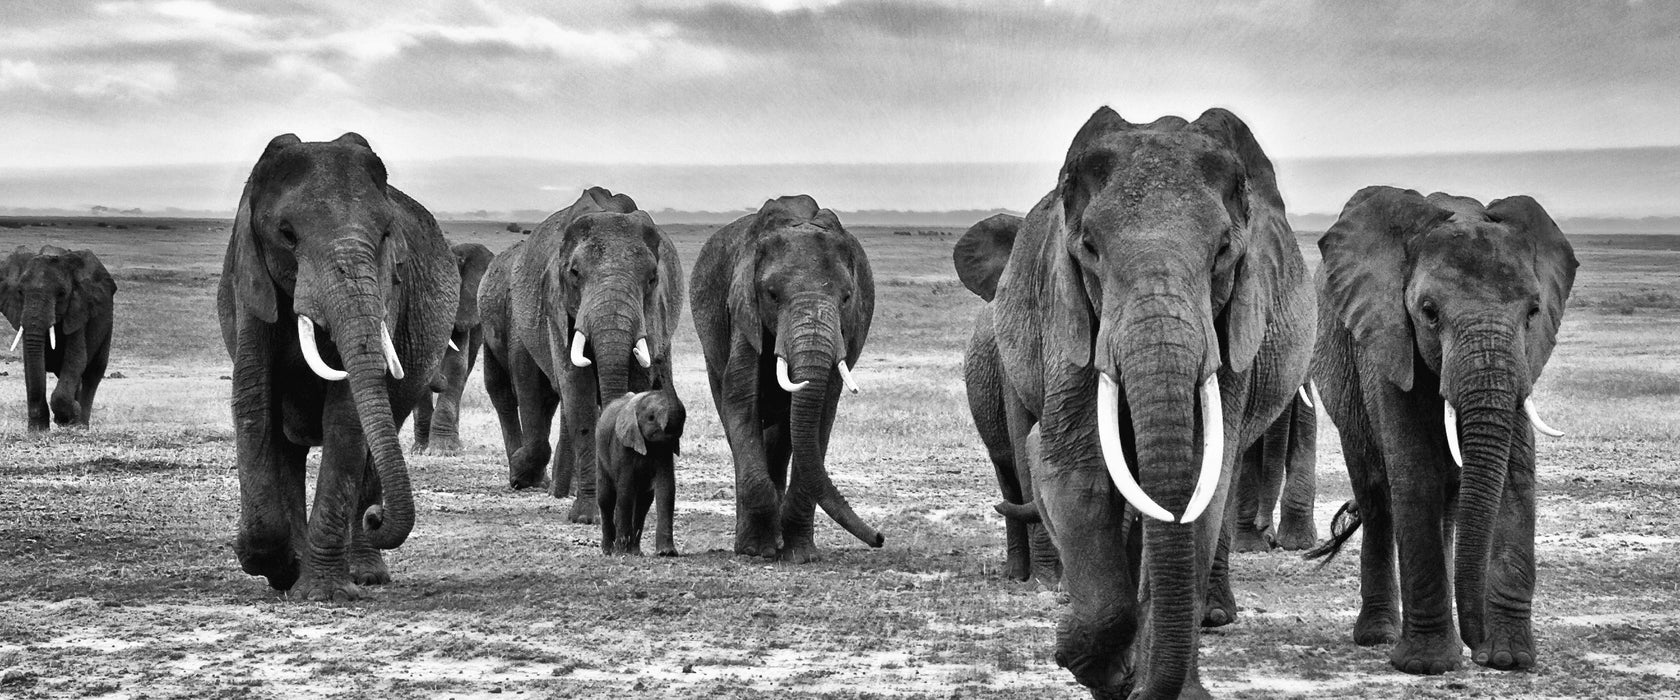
(1069, 332)
(628, 428)
(92, 287)
(862, 310)
(1365, 268)
(254, 287)
(983, 251)
(11, 284)
(1554, 267)
(1262, 235)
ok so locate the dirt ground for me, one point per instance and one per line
(118, 580)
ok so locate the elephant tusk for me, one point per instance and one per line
(1318, 400)
(393, 364)
(453, 346)
(1450, 417)
(17, 338)
(783, 379)
(1534, 417)
(1114, 456)
(52, 337)
(641, 351)
(578, 360)
(1305, 398)
(846, 376)
(1213, 450)
(312, 354)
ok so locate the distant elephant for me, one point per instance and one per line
(61, 304)
(565, 311)
(1282, 464)
(1436, 316)
(328, 266)
(637, 440)
(1029, 553)
(1152, 310)
(782, 302)
(438, 431)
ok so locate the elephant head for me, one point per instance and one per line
(650, 418)
(50, 296)
(1440, 291)
(603, 290)
(313, 246)
(1150, 274)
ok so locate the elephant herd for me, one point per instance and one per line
(1145, 376)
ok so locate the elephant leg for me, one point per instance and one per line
(581, 411)
(91, 377)
(1220, 606)
(1509, 602)
(606, 495)
(498, 383)
(66, 410)
(1095, 636)
(326, 566)
(1247, 534)
(1429, 642)
(423, 421)
(799, 507)
(444, 421)
(1017, 550)
(1274, 463)
(272, 521)
(537, 401)
(1295, 528)
(757, 498)
(778, 451)
(367, 563)
(644, 502)
(625, 511)
(665, 494)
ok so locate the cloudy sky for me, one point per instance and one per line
(131, 83)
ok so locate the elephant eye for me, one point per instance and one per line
(575, 273)
(1533, 311)
(1090, 248)
(287, 232)
(1430, 312)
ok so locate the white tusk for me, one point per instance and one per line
(1318, 400)
(846, 377)
(17, 338)
(453, 346)
(578, 360)
(392, 363)
(1114, 456)
(312, 354)
(52, 337)
(1213, 450)
(1451, 420)
(1534, 417)
(783, 378)
(641, 351)
(1305, 398)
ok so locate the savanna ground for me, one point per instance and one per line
(119, 579)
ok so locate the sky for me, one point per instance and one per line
(118, 87)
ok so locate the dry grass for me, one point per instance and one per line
(118, 578)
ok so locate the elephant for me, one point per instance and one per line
(1152, 310)
(1028, 552)
(437, 430)
(1436, 317)
(782, 302)
(61, 303)
(1281, 465)
(637, 440)
(328, 264)
(596, 284)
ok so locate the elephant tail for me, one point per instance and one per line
(1024, 512)
(1342, 527)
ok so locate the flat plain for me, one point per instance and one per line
(118, 579)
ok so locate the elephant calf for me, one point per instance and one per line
(61, 303)
(636, 443)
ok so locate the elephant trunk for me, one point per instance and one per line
(37, 323)
(449, 381)
(815, 344)
(1487, 394)
(1161, 355)
(614, 324)
(357, 331)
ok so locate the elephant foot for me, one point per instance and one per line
(667, 551)
(1295, 532)
(584, 510)
(280, 565)
(520, 482)
(1249, 538)
(802, 553)
(1427, 654)
(1509, 646)
(755, 541)
(444, 446)
(367, 568)
(1221, 609)
(325, 591)
(1047, 580)
(1376, 626)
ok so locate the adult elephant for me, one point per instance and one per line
(61, 304)
(1278, 477)
(1153, 319)
(328, 266)
(1436, 316)
(1028, 552)
(782, 302)
(577, 315)
(437, 429)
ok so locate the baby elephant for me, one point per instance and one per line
(635, 446)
